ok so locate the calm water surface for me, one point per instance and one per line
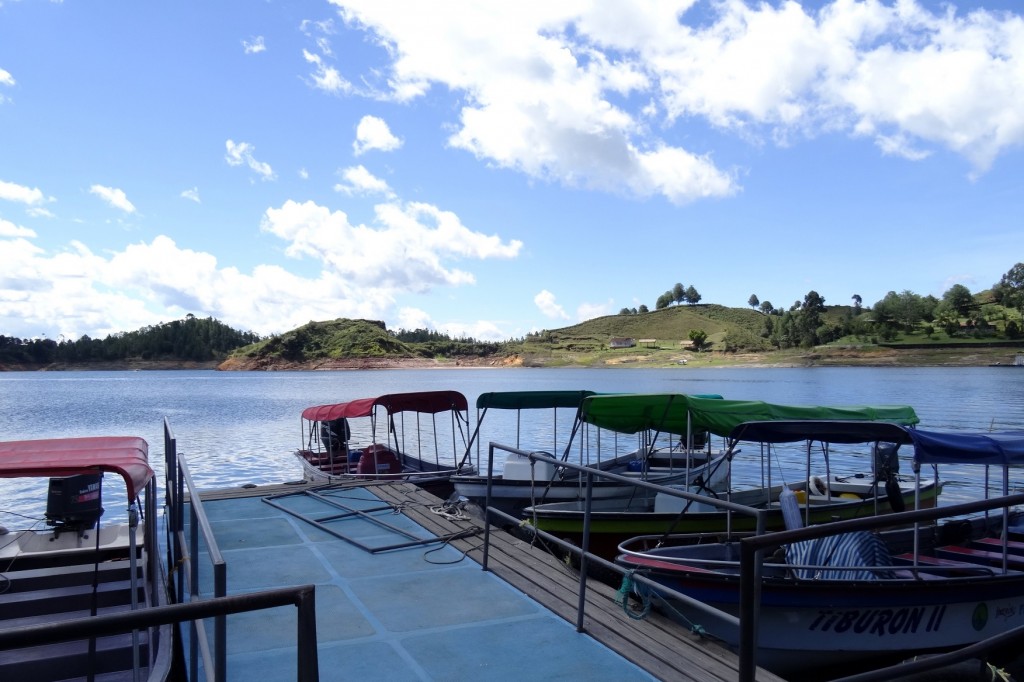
(241, 427)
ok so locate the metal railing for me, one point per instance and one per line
(752, 555)
(582, 552)
(303, 597)
(183, 550)
(751, 559)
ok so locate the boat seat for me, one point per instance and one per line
(947, 567)
(1012, 546)
(979, 556)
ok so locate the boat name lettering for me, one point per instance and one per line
(881, 622)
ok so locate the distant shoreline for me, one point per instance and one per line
(967, 356)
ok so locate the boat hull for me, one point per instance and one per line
(817, 624)
(513, 495)
(431, 477)
(613, 521)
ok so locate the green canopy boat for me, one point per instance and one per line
(616, 519)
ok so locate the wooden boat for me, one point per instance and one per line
(521, 483)
(78, 568)
(385, 447)
(858, 600)
(825, 496)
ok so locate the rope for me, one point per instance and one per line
(457, 536)
(622, 597)
(647, 596)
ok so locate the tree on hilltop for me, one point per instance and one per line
(753, 301)
(1010, 290)
(678, 293)
(959, 299)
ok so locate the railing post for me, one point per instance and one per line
(585, 546)
(487, 505)
(748, 606)
(309, 664)
(220, 622)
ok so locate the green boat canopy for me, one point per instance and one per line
(530, 400)
(680, 413)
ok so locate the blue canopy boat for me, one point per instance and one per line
(860, 598)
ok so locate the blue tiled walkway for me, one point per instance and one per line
(422, 613)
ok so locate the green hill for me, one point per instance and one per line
(655, 338)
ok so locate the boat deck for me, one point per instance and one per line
(428, 612)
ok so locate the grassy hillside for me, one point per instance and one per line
(587, 342)
(665, 334)
(334, 339)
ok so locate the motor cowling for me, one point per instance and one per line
(378, 459)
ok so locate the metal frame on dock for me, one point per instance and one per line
(183, 549)
(349, 513)
(751, 560)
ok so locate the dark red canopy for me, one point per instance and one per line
(420, 401)
(127, 456)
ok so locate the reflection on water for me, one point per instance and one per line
(241, 427)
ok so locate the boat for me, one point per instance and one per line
(522, 482)
(427, 451)
(860, 599)
(76, 567)
(825, 495)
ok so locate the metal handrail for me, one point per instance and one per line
(303, 597)
(751, 554)
(751, 557)
(178, 480)
(583, 552)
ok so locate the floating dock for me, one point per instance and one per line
(400, 595)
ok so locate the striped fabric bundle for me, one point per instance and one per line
(856, 549)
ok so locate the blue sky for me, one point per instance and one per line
(492, 169)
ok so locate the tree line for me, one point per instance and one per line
(807, 322)
(192, 338)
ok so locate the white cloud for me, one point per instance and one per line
(588, 311)
(319, 32)
(482, 330)
(113, 196)
(358, 180)
(325, 77)
(414, 318)
(362, 272)
(13, 192)
(545, 301)
(254, 46)
(406, 250)
(373, 133)
(191, 194)
(550, 89)
(9, 230)
(5, 79)
(304, 174)
(39, 212)
(241, 153)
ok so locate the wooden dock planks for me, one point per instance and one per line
(655, 643)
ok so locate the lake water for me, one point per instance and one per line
(242, 427)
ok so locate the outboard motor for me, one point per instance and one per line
(887, 468)
(74, 503)
(335, 433)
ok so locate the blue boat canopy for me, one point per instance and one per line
(1001, 448)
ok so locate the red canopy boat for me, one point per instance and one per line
(383, 446)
